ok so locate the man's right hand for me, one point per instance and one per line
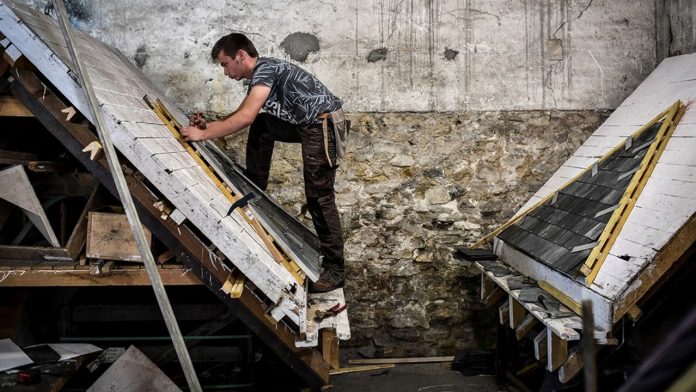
(197, 121)
(192, 134)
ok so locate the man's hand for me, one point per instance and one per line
(197, 121)
(192, 134)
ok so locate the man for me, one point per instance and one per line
(298, 108)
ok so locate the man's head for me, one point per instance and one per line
(236, 54)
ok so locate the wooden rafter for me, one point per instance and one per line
(80, 276)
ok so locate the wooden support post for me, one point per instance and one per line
(540, 345)
(329, 347)
(571, 367)
(487, 286)
(556, 351)
(504, 313)
(527, 324)
(494, 296)
(517, 313)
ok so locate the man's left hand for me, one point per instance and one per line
(192, 134)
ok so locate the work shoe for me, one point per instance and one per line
(331, 278)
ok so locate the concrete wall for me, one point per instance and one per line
(384, 56)
(675, 26)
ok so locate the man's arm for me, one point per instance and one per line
(238, 120)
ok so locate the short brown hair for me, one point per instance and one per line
(231, 43)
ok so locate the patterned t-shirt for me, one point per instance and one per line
(296, 95)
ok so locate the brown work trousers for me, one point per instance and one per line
(319, 176)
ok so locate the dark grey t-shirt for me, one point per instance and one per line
(296, 95)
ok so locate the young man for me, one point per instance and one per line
(298, 108)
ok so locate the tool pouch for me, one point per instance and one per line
(341, 128)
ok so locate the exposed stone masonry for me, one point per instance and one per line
(413, 186)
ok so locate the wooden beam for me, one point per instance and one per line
(504, 313)
(494, 296)
(17, 157)
(13, 107)
(234, 285)
(527, 324)
(356, 369)
(556, 351)
(517, 312)
(540, 345)
(588, 347)
(83, 278)
(571, 368)
(487, 286)
(34, 253)
(329, 347)
(561, 297)
(16, 59)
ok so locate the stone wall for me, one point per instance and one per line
(414, 186)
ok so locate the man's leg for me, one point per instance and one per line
(319, 179)
(263, 133)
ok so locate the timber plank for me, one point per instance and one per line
(109, 237)
(83, 278)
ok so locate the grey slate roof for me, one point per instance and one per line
(560, 233)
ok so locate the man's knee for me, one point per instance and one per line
(319, 181)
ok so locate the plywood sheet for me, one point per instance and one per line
(109, 237)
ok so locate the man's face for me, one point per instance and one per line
(232, 66)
